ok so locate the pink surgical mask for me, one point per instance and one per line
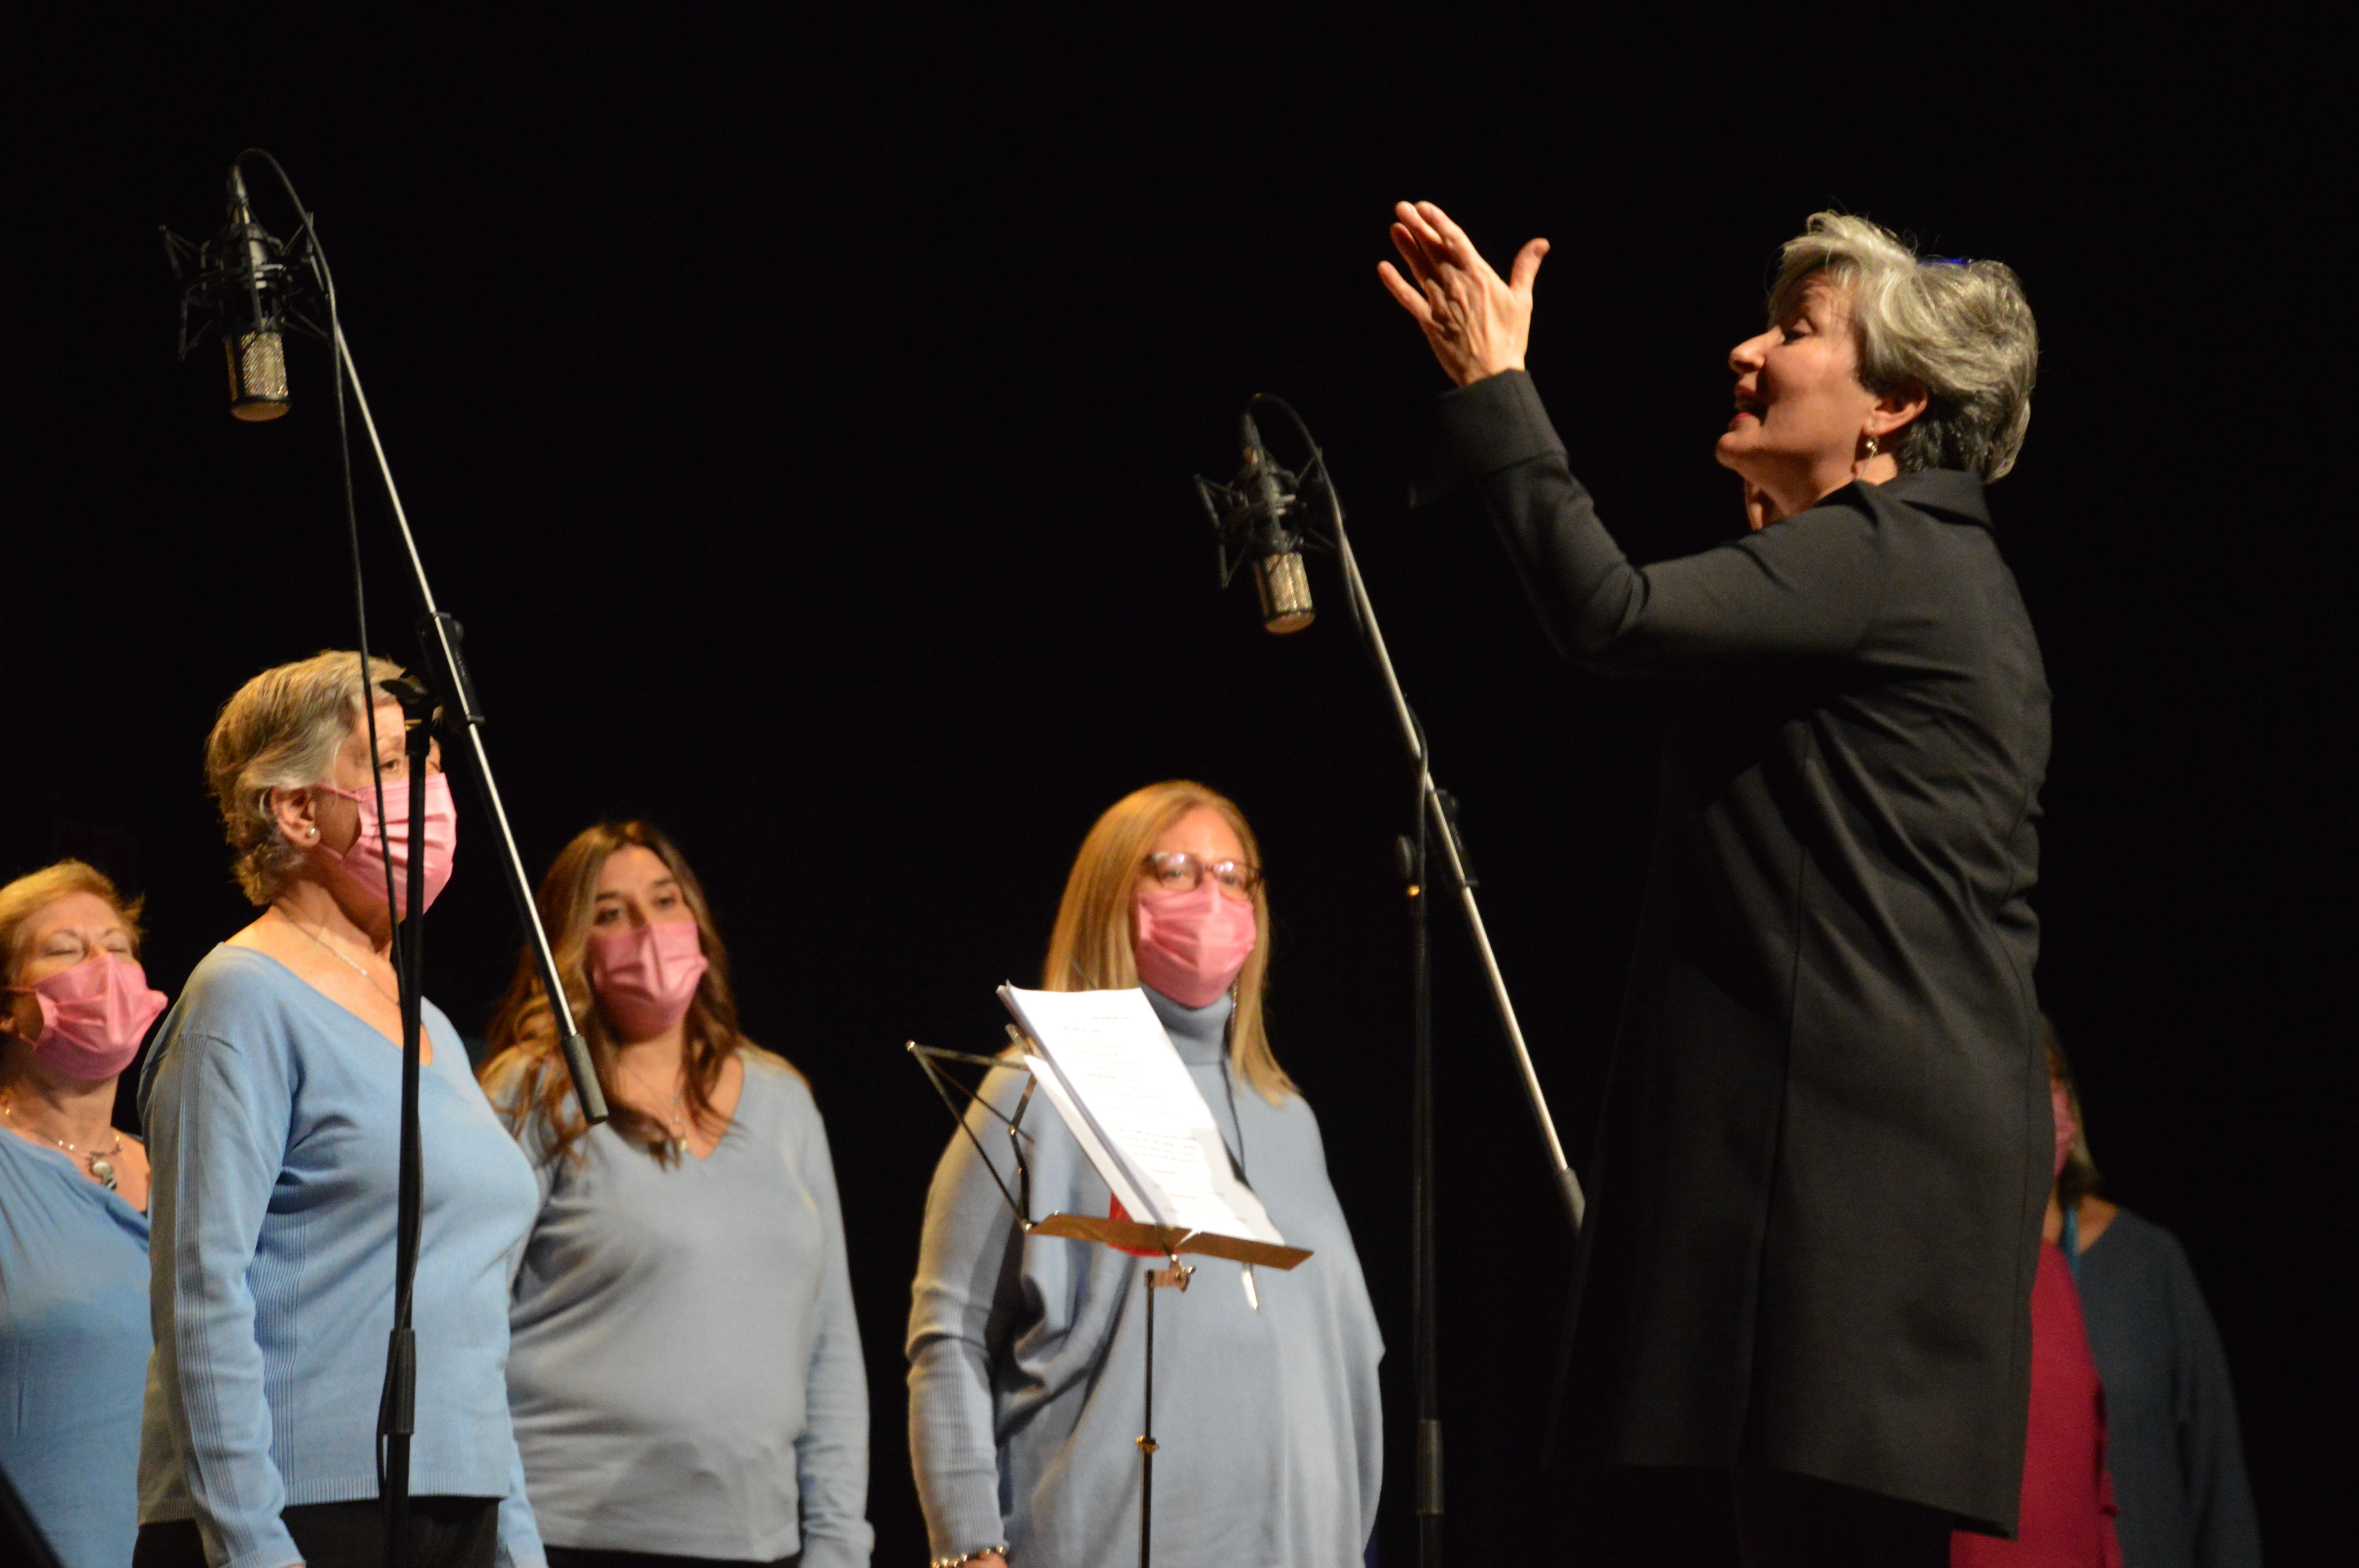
(1191, 945)
(363, 865)
(2060, 1105)
(647, 977)
(93, 1016)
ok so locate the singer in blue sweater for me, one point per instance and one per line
(1026, 1364)
(271, 1100)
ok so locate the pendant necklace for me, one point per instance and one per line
(675, 1122)
(339, 954)
(100, 1162)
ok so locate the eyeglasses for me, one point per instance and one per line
(1179, 871)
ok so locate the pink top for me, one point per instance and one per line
(2068, 1499)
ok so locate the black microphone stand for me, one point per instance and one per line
(228, 283)
(397, 1405)
(1437, 821)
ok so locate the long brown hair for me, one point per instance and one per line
(525, 1075)
(1091, 948)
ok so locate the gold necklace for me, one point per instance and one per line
(99, 1162)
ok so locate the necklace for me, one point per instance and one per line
(339, 954)
(675, 1121)
(99, 1162)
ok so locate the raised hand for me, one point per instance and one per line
(1476, 322)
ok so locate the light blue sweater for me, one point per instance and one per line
(1025, 1357)
(73, 1352)
(685, 1370)
(273, 1119)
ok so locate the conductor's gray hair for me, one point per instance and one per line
(1959, 330)
(281, 731)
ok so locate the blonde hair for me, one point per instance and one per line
(526, 1074)
(34, 892)
(1960, 331)
(281, 731)
(1091, 946)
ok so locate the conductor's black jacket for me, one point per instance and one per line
(1825, 1148)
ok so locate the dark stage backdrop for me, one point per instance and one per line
(800, 419)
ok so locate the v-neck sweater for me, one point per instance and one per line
(272, 1120)
(686, 1371)
(73, 1352)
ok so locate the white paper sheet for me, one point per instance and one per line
(1106, 1065)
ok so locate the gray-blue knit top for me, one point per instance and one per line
(686, 1373)
(1025, 1376)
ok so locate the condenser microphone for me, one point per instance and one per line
(247, 291)
(252, 285)
(1259, 518)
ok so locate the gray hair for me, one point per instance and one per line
(281, 731)
(1959, 330)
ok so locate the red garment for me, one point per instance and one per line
(2068, 1499)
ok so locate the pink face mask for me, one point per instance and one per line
(645, 977)
(93, 1016)
(2060, 1104)
(1191, 945)
(363, 866)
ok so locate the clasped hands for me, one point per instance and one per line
(1476, 322)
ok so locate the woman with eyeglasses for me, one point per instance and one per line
(684, 1364)
(1026, 1379)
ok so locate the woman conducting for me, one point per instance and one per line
(74, 1211)
(685, 1366)
(1817, 1193)
(272, 1102)
(1025, 1375)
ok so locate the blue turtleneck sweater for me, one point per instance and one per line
(1026, 1357)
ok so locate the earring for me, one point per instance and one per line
(1871, 446)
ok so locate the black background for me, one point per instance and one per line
(800, 414)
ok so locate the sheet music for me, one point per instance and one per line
(1106, 1065)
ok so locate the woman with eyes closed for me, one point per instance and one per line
(1025, 1376)
(685, 1372)
(74, 1211)
(1816, 1200)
